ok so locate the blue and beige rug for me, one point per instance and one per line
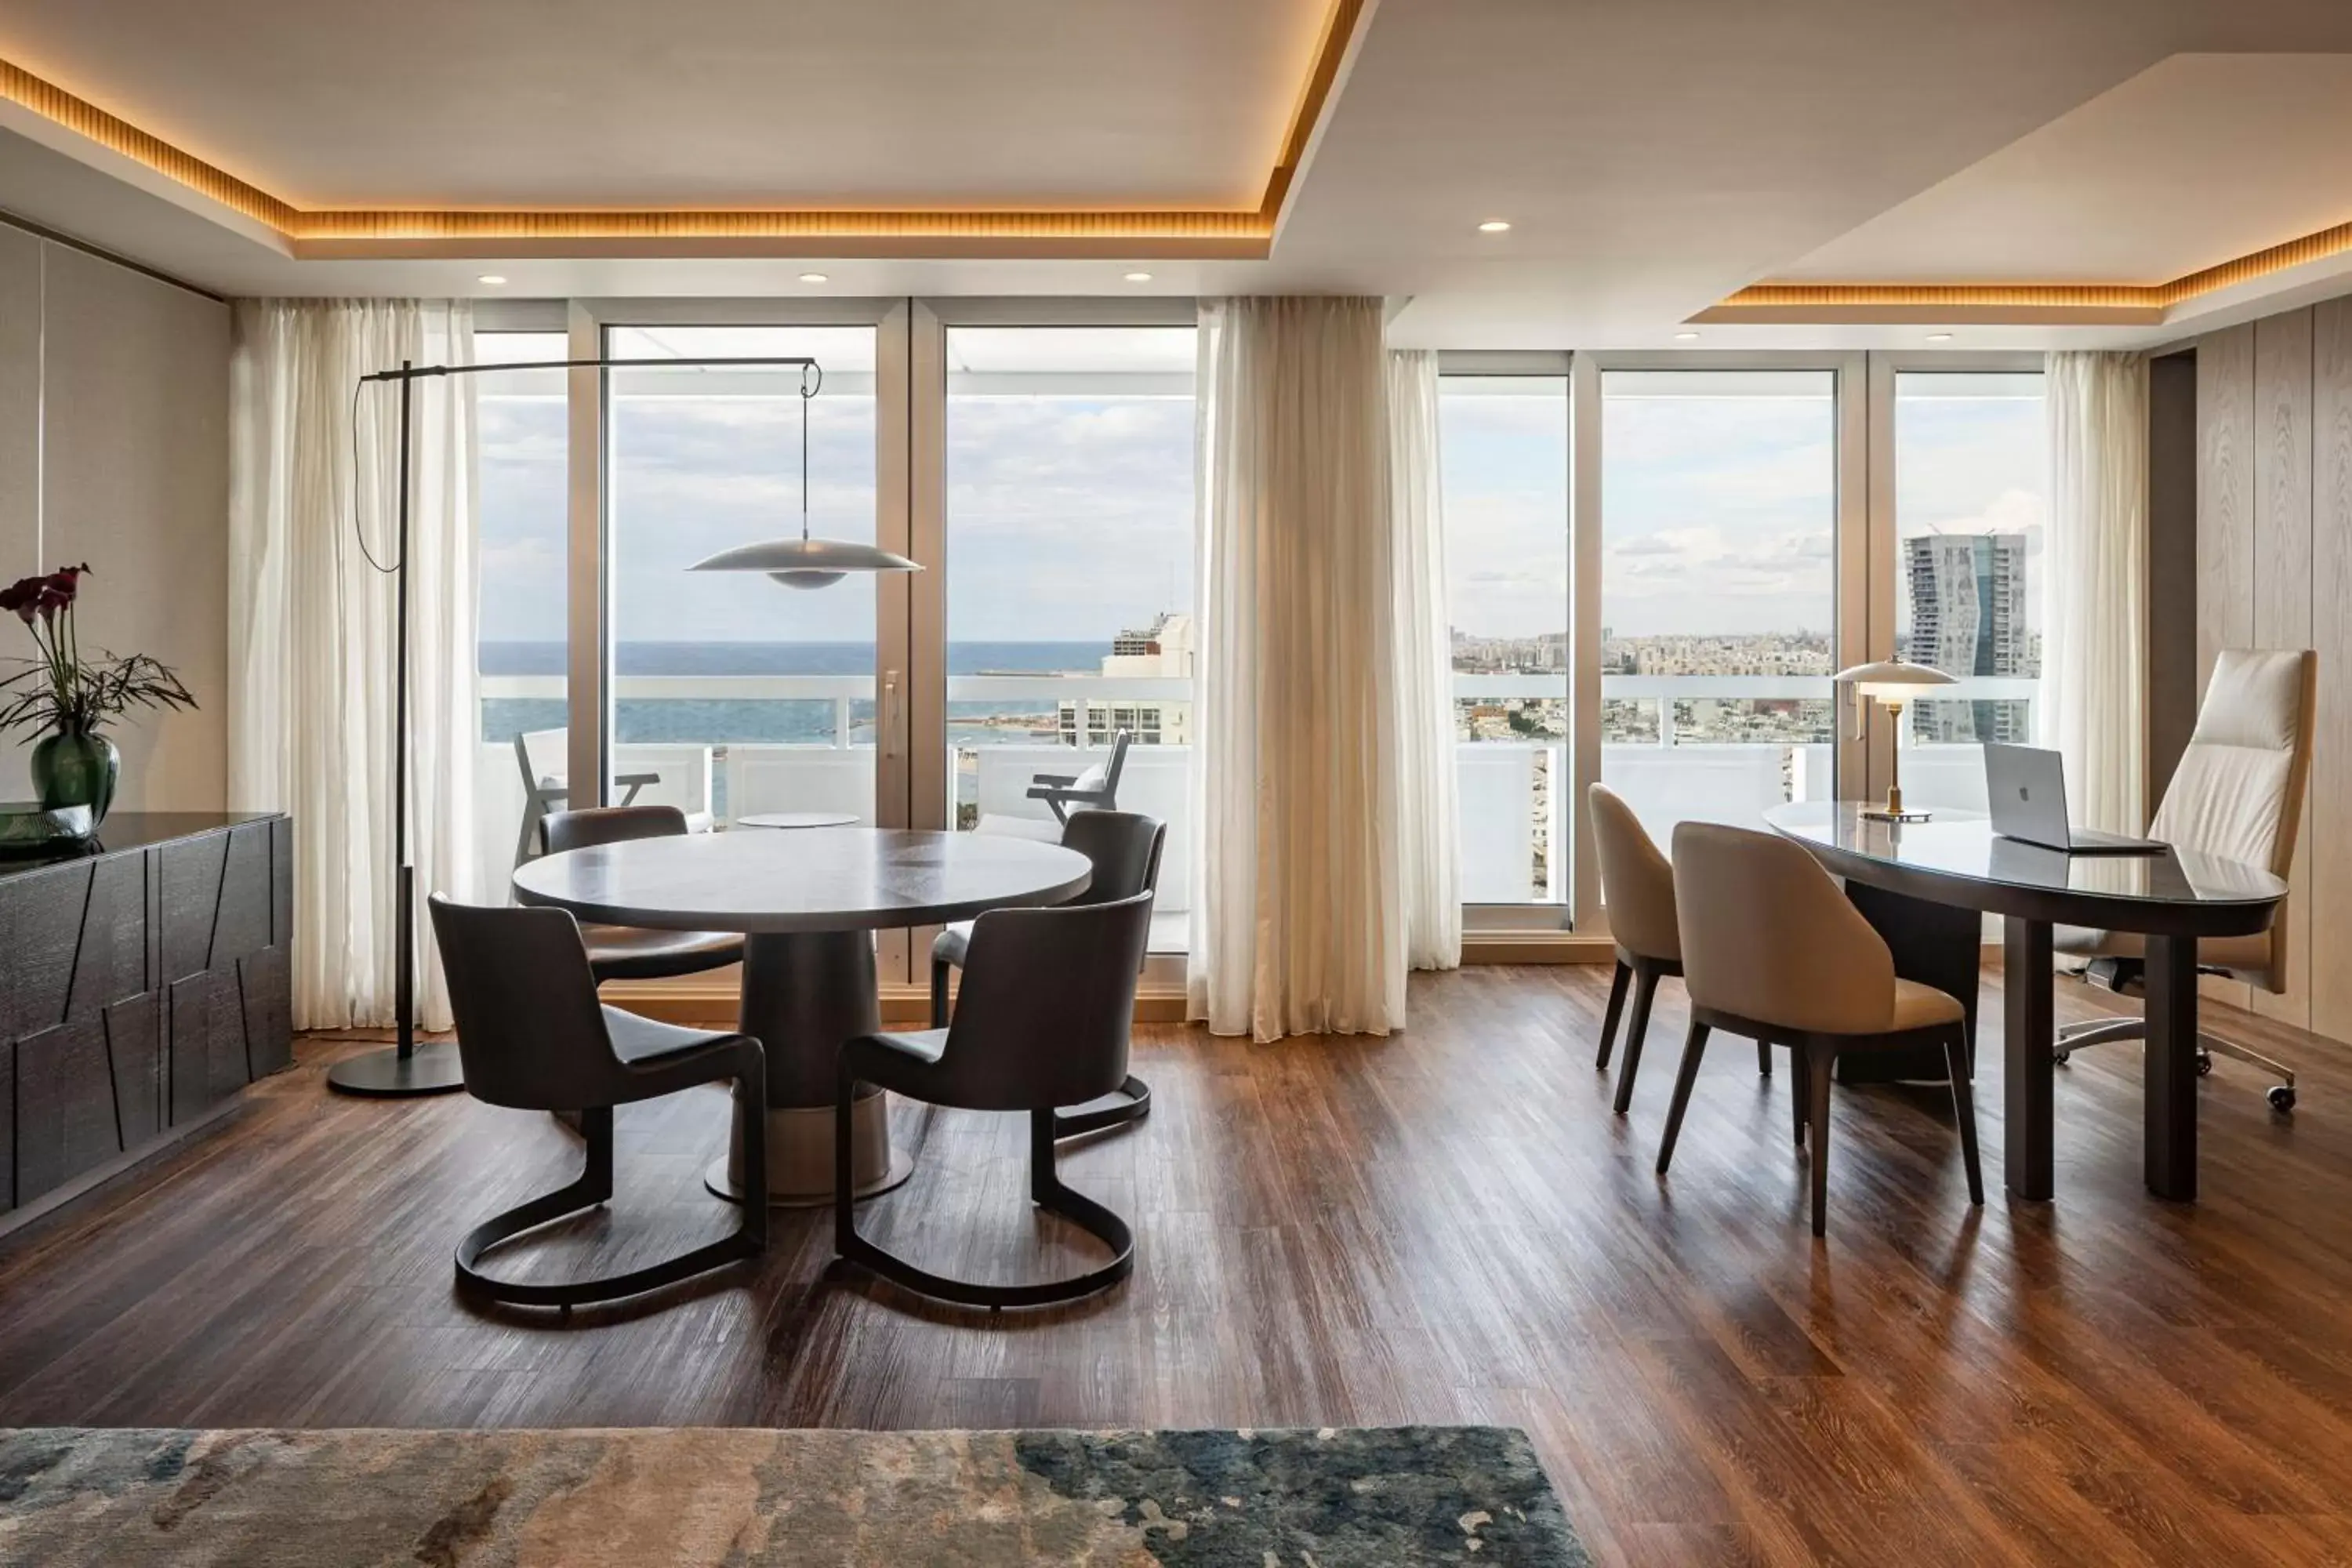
(1348, 1497)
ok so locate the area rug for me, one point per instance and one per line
(1339, 1498)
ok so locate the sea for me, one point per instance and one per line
(652, 721)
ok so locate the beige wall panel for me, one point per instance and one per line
(2330, 818)
(136, 479)
(2282, 568)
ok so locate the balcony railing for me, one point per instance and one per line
(1513, 792)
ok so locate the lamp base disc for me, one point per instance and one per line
(1880, 814)
(432, 1069)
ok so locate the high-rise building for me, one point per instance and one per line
(1164, 651)
(1968, 618)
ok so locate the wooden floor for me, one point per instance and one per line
(1446, 1226)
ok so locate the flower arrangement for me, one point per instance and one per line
(73, 697)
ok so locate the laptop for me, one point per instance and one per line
(2026, 787)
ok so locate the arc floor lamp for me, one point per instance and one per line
(409, 1069)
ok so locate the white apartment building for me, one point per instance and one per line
(1162, 652)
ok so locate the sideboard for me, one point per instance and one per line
(144, 982)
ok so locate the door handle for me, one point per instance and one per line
(890, 714)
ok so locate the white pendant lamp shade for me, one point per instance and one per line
(1892, 679)
(806, 563)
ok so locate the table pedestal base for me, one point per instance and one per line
(800, 1155)
(805, 992)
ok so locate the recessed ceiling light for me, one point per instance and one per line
(814, 278)
(1939, 337)
(1138, 278)
(1685, 337)
(491, 278)
(1493, 226)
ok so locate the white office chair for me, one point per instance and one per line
(2238, 794)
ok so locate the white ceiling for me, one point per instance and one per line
(803, 103)
(2196, 159)
(1652, 158)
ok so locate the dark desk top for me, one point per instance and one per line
(833, 879)
(127, 830)
(1958, 858)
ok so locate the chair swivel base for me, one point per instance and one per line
(594, 1186)
(2100, 1031)
(1048, 1192)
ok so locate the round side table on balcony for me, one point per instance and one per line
(808, 904)
(798, 820)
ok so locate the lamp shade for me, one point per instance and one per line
(1892, 679)
(806, 563)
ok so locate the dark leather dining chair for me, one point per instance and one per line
(1123, 846)
(1048, 1000)
(633, 953)
(533, 1038)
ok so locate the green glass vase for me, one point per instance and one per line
(77, 767)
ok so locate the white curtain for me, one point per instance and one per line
(311, 627)
(1296, 925)
(2095, 569)
(1429, 866)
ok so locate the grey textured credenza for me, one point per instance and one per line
(144, 982)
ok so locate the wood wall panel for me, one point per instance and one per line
(2331, 578)
(2225, 521)
(2225, 495)
(2282, 588)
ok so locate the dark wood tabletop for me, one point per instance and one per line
(842, 878)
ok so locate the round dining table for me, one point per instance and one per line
(808, 905)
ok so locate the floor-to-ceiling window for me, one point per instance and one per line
(1504, 456)
(1971, 453)
(521, 597)
(1069, 574)
(731, 693)
(1718, 590)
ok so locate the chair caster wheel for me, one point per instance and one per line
(2205, 1065)
(2062, 1056)
(2282, 1097)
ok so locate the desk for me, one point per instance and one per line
(808, 904)
(2172, 899)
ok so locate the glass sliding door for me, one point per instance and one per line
(1068, 539)
(521, 604)
(1718, 590)
(1971, 458)
(1503, 444)
(731, 694)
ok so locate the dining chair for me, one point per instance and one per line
(1773, 950)
(1048, 1003)
(2237, 793)
(1124, 848)
(1637, 888)
(1095, 788)
(637, 952)
(539, 753)
(532, 1036)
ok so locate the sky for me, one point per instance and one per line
(1070, 516)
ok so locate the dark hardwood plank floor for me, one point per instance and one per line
(1445, 1225)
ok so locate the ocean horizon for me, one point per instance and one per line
(770, 722)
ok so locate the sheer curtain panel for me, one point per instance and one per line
(1299, 928)
(1428, 860)
(2094, 642)
(313, 496)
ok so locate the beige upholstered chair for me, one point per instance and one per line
(2237, 793)
(1772, 949)
(1637, 886)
